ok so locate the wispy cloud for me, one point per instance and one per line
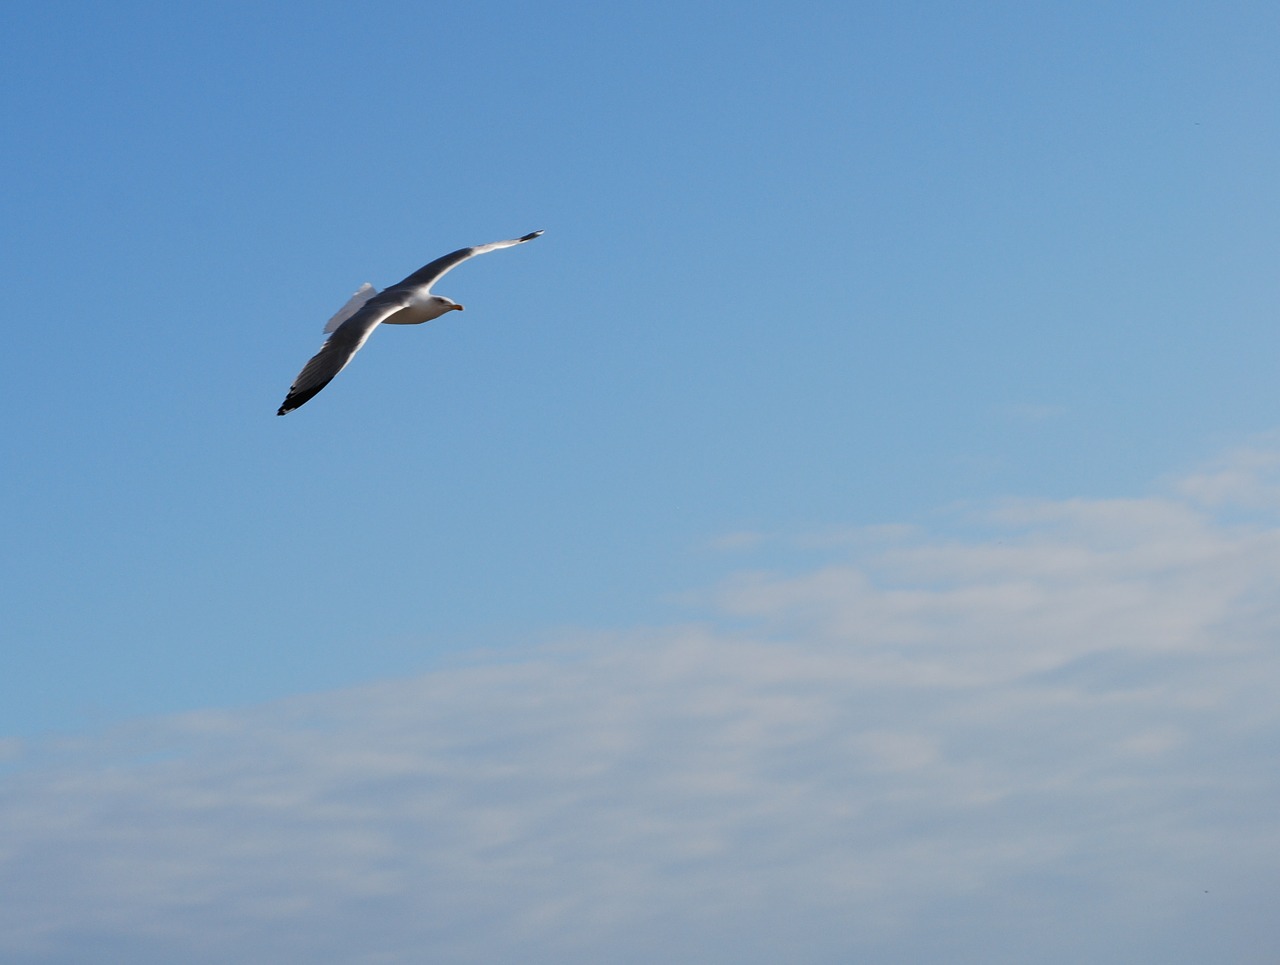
(1246, 478)
(1054, 742)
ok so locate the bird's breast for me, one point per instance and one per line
(418, 310)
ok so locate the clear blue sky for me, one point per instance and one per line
(918, 357)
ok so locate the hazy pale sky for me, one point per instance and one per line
(851, 533)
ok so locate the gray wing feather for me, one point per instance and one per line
(430, 273)
(353, 305)
(339, 349)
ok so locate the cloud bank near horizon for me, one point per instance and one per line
(1051, 741)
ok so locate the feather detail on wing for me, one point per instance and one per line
(339, 349)
(353, 305)
(430, 273)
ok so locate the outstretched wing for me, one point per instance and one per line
(353, 305)
(429, 274)
(339, 349)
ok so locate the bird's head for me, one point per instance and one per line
(436, 305)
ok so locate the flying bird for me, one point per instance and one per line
(408, 302)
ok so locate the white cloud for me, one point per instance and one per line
(1248, 477)
(1053, 743)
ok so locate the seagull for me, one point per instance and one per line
(407, 302)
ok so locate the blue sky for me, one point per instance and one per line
(851, 529)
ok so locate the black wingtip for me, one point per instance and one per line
(531, 235)
(295, 399)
